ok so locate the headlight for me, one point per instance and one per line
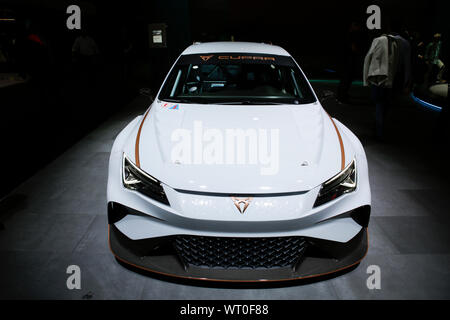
(135, 179)
(343, 182)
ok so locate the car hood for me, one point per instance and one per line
(298, 147)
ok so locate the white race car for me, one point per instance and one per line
(236, 173)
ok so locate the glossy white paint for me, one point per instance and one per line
(305, 134)
(200, 194)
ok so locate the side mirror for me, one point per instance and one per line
(146, 92)
(324, 95)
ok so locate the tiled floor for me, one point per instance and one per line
(58, 218)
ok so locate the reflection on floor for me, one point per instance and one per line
(58, 218)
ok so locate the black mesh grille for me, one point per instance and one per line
(239, 253)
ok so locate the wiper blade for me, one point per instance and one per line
(247, 102)
(178, 100)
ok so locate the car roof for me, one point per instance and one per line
(235, 46)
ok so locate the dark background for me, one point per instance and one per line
(45, 116)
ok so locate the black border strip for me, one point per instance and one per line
(235, 58)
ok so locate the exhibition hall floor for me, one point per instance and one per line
(57, 218)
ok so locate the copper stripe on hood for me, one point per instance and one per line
(341, 143)
(138, 138)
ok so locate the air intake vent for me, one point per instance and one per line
(240, 253)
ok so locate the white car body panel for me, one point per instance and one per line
(307, 127)
(199, 194)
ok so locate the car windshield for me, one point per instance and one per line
(221, 78)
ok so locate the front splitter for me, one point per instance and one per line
(169, 264)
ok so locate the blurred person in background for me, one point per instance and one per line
(403, 76)
(85, 49)
(417, 57)
(433, 58)
(85, 54)
(387, 71)
(379, 70)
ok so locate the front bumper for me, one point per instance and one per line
(310, 257)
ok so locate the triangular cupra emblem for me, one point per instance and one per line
(242, 203)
